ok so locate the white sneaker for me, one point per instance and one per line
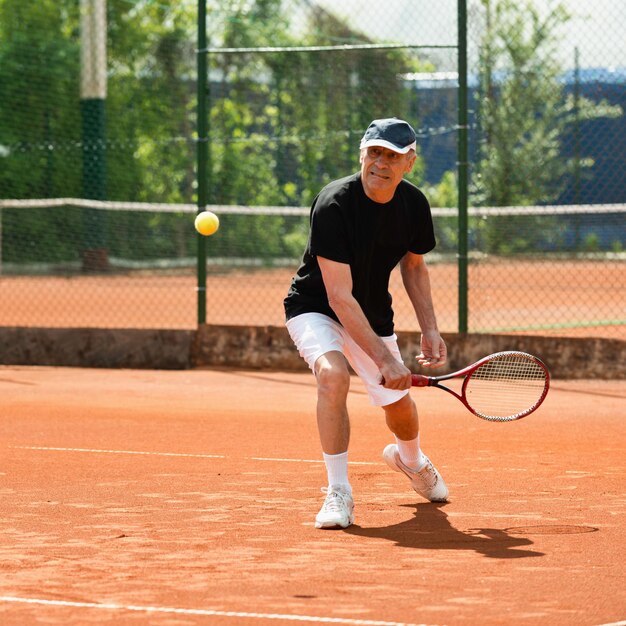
(337, 510)
(426, 481)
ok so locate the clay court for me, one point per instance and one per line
(563, 298)
(188, 497)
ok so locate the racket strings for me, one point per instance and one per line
(506, 387)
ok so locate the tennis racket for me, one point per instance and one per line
(501, 387)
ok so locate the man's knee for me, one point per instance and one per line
(401, 410)
(333, 376)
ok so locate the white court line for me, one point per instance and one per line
(204, 612)
(260, 458)
(95, 450)
(177, 454)
(622, 623)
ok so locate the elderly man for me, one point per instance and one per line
(338, 309)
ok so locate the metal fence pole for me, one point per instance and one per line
(202, 154)
(462, 165)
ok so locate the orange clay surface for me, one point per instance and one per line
(568, 298)
(188, 497)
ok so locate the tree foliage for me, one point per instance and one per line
(524, 116)
(281, 125)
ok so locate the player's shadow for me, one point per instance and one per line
(430, 529)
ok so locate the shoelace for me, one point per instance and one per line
(426, 475)
(335, 500)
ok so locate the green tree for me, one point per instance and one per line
(521, 109)
(281, 125)
(524, 115)
(39, 125)
(39, 115)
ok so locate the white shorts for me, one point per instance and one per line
(316, 334)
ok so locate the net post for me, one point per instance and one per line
(202, 154)
(462, 166)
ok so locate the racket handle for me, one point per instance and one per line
(418, 380)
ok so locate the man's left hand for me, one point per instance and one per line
(434, 352)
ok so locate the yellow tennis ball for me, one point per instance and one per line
(206, 223)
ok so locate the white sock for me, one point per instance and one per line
(337, 469)
(410, 453)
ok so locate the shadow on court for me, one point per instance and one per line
(430, 529)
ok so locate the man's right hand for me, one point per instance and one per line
(395, 375)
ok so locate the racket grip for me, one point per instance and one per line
(418, 380)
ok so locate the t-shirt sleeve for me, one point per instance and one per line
(423, 239)
(328, 237)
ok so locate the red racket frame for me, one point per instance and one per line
(419, 380)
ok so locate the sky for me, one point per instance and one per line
(598, 28)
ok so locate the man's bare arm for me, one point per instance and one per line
(416, 280)
(338, 282)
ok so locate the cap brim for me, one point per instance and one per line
(387, 144)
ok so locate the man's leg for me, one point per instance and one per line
(402, 418)
(405, 455)
(333, 384)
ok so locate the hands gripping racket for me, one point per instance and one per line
(501, 387)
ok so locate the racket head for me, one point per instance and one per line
(506, 386)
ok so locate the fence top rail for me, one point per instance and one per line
(336, 48)
(111, 205)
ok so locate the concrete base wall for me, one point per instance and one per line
(96, 347)
(270, 348)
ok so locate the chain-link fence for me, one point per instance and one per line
(290, 88)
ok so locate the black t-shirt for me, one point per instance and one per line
(348, 227)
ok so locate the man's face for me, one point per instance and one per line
(382, 170)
